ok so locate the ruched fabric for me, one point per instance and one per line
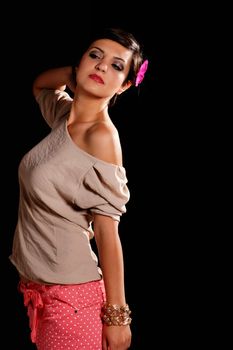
(34, 304)
(104, 190)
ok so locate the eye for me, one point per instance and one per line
(117, 66)
(94, 55)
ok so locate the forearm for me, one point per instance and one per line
(112, 266)
(111, 261)
(56, 78)
(115, 314)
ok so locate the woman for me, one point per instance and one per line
(73, 187)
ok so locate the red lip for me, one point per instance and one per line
(96, 78)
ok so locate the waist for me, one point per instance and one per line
(26, 280)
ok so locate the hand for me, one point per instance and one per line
(116, 337)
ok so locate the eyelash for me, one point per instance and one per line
(93, 55)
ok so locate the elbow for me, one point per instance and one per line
(35, 90)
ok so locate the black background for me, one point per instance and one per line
(149, 120)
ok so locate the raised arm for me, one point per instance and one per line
(55, 78)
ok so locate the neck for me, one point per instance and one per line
(88, 111)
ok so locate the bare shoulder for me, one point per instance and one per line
(103, 142)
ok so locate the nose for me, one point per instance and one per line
(101, 66)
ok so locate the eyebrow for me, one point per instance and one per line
(98, 48)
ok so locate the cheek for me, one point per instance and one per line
(82, 67)
(82, 71)
(117, 80)
(85, 64)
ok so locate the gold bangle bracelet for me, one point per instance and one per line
(116, 315)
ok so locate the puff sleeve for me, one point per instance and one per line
(54, 104)
(104, 190)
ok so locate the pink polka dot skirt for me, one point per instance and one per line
(65, 317)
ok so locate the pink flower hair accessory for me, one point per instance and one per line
(141, 73)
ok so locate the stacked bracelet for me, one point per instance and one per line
(116, 315)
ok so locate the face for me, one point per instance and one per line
(104, 68)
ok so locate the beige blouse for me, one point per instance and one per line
(61, 187)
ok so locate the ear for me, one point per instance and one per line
(125, 87)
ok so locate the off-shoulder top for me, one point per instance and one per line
(61, 188)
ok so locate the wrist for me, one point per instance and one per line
(116, 315)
